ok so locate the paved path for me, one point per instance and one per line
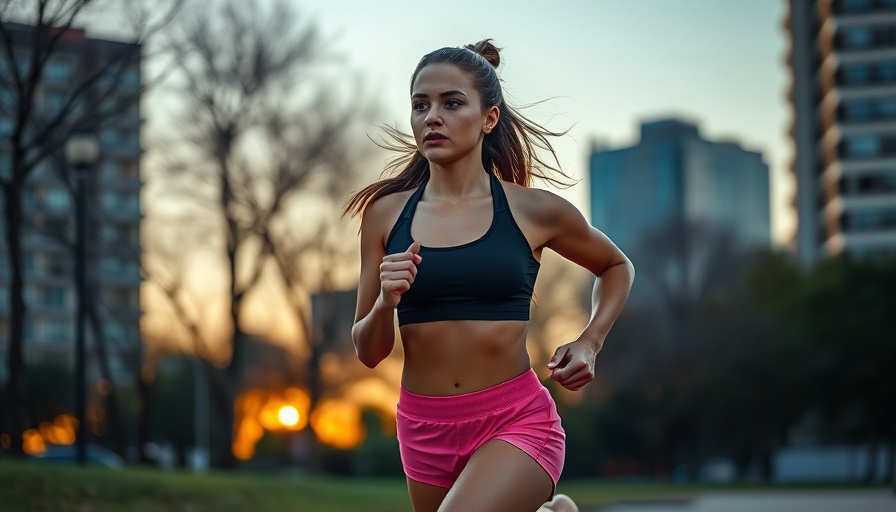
(772, 501)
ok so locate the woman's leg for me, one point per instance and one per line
(425, 497)
(499, 478)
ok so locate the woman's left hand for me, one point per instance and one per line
(573, 364)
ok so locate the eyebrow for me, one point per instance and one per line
(443, 95)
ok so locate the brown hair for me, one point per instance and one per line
(508, 151)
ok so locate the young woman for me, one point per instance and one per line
(453, 242)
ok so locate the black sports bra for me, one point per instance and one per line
(491, 278)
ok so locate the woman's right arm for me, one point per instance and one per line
(384, 278)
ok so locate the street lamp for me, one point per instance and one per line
(81, 152)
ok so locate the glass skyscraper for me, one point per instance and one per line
(673, 173)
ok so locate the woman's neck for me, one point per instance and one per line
(454, 184)
(458, 180)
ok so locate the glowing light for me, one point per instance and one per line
(288, 416)
(32, 442)
(338, 424)
(259, 410)
(248, 432)
(270, 414)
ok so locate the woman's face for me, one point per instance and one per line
(446, 114)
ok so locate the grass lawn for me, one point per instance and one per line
(41, 487)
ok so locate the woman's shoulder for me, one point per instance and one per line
(535, 203)
(383, 211)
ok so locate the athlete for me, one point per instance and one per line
(452, 241)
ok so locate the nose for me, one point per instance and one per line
(433, 117)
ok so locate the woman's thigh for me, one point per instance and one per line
(425, 497)
(499, 478)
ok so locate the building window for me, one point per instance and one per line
(119, 299)
(869, 110)
(863, 146)
(54, 296)
(54, 101)
(857, 37)
(860, 110)
(28, 200)
(886, 72)
(58, 70)
(57, 199)
(6, 126)
(119, 137)
(861, 38)
(131, 78)
(56, 264)
(855, 75)
(881, 183)
(119, 268)
(114, 332)
(56, 330)
(871, 220)
(856, 5)
(28, 263)
(108, 170)
(120, 202)
(886, 107)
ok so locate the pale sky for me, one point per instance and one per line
(607, 64)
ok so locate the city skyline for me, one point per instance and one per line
(601, 68)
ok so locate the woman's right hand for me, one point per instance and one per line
(397, 273)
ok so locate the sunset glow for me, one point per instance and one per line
(289, 416)
(60, 431)
(338, 424)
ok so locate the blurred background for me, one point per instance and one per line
(177, 280)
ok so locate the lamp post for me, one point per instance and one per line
(81, 152)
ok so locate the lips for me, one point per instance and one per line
(431, 136)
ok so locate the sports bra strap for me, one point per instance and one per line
(499, 198)
(411, 206)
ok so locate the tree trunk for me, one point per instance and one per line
(890, 470)
(115, 426)
(144, 416)
(16, 383)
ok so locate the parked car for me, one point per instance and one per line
(96, 456)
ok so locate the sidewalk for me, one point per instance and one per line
(772, 501)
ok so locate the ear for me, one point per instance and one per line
(491, 118)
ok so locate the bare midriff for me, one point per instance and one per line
(453, 357)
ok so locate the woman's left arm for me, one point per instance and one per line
(570, 236)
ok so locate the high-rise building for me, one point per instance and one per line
(673, 173)
(113, 191)
(843, 63)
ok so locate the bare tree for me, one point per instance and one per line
(41, 29)
(258, 130)
(682, 263)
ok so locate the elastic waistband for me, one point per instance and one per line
(470, 405)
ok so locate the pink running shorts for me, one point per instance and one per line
(438, 434)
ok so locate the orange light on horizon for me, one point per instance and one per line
(288, 416)
(338, 424)
(60, 431)
(32, 442)
(260, 410)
